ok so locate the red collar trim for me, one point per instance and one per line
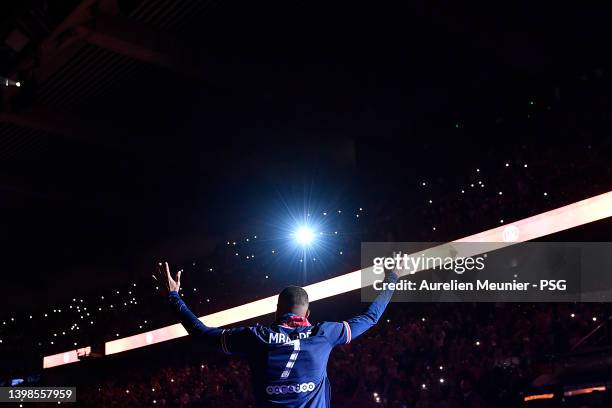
(295, 321)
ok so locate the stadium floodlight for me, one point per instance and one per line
(304, 236)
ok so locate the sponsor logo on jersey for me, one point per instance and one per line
(290, 389)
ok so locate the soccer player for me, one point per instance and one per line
(288, 359)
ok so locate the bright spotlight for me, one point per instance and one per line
(304, 236)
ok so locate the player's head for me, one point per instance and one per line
(293, 299)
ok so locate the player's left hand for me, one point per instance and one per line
(167, 283)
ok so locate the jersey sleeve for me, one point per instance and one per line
(337, 333)
(229, 341)
(237, 341)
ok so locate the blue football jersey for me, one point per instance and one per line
(288, 362)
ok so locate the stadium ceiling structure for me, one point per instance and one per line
(67, 60)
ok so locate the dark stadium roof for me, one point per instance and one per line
(145, 128)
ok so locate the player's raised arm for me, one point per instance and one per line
(353, 328)
(170, 288)
(228, 340)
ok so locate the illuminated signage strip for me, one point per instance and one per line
(550, 222)
(582, 391)
(538, 397)
(66, 357)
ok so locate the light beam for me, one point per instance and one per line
(570, 216)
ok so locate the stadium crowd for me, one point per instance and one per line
(431, 356)
(420, 355)
(445, 210)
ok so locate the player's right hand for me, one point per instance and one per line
(167, 283)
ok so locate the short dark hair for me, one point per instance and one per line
(293, 298)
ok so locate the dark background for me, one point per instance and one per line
(264, 107)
